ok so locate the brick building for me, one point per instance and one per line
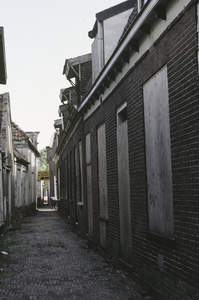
(69, 155)
(130, 153)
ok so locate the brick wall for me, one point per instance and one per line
(163, 265)
(85, 83)
(172, 269)
(70, 179)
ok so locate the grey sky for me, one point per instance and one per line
(39, 36)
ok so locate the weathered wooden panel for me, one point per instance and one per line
(89, 201)
(89, 185)
(102, 234)
(58, 183)
(124, 192)
(88, 149)
(158, 154)
(102, 172)
(81, 170)
(102, 182)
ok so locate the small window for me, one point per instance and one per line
(122, 114)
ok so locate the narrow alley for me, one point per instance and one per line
(47, 260)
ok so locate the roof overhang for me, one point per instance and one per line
(64, 93)
(111, 12)
(20, 158)
(71, 67)
(120, 56)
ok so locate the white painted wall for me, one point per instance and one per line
(108, 34)
(113, 28)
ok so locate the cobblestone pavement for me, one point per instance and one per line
(47, 260)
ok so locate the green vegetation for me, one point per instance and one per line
(43, 159)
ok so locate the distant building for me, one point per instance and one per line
(18, 158)
(26, 176)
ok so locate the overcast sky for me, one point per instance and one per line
(39, 36)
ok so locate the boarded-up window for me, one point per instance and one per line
(102, 173)
(81, 171)
(124, 184)
(158, 154)
(58, 183)
(71, 178)
(89, 185)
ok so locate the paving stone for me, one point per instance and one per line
(46, 261)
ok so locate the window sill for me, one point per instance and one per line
(160, 238)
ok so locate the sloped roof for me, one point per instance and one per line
(110, 12)
(18, 133)
(131, 19)
(71, 67)
(20, 158)
(114, 10)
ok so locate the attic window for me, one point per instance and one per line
(122, 114)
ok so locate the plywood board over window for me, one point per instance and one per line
(124, 184)
(102, 174)
(81, 172)
(158, 154)
(89, 185)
